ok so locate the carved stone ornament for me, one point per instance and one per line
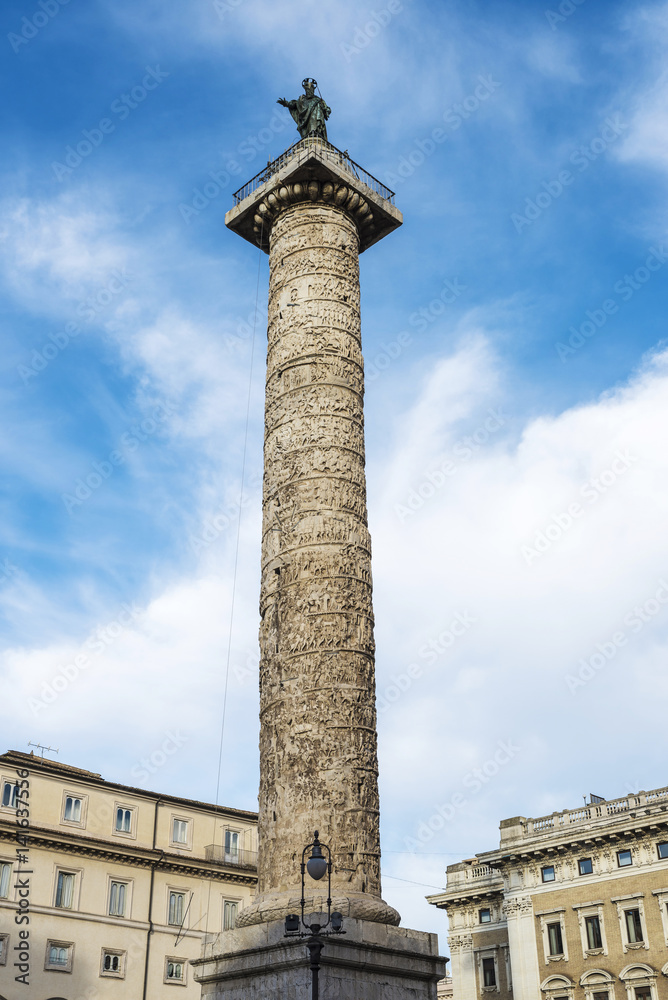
(318, 756)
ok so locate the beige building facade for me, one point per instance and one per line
(108, 890)
(572, 906)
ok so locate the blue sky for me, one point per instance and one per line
(516, 400)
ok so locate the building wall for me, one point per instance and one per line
(524, 902)
(96, 853)
(606, 894)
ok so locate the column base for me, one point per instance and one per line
(371, 961)
(277, 905)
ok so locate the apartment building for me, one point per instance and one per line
(107, 890)
(572, 906)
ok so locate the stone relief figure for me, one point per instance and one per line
(309, 112)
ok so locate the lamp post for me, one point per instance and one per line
(317, 867)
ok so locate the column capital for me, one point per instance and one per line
(313, 171)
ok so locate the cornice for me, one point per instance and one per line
(313, 172)
(138, 857)
(590, 839)
(66, 773)
(325, 193)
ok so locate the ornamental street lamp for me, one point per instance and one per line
(317, 866)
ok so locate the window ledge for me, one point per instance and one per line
(594, 951)
(556, 958)
(636, 945)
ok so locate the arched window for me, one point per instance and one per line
(558, 988)
(597, 984)
(639, 981)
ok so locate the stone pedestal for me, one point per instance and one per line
(371, 961)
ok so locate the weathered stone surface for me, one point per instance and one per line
(318, 759)
(369, 962)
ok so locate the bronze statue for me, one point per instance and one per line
(309, 112)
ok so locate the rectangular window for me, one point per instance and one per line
(112, 964)
(5, 878)
(59, 956)
(176, 900)
(180, 831)
(488, 972)
(174, 970)
(554, 939)
(65, 890)
(633, 926)
(72, 811)
(547, 873)
(624, 858)
(4, 948)
(117, 897)
(601, 996)
(231, 847)
(643, 993)
(593, 928)
(123, 820)
(663, 849)
(10, 792)
(485, 916)
(585, 866)
(230, 910)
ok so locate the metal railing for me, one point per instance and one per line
(325, 151)
(238, 858)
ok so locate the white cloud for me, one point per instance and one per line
(647, 139)
(505, 676)
(61, 246)
(503, 679)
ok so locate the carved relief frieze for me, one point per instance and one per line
(318, 741)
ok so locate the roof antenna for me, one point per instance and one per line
(42, 748)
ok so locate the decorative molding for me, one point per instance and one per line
(334, 195)
(119, 854)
